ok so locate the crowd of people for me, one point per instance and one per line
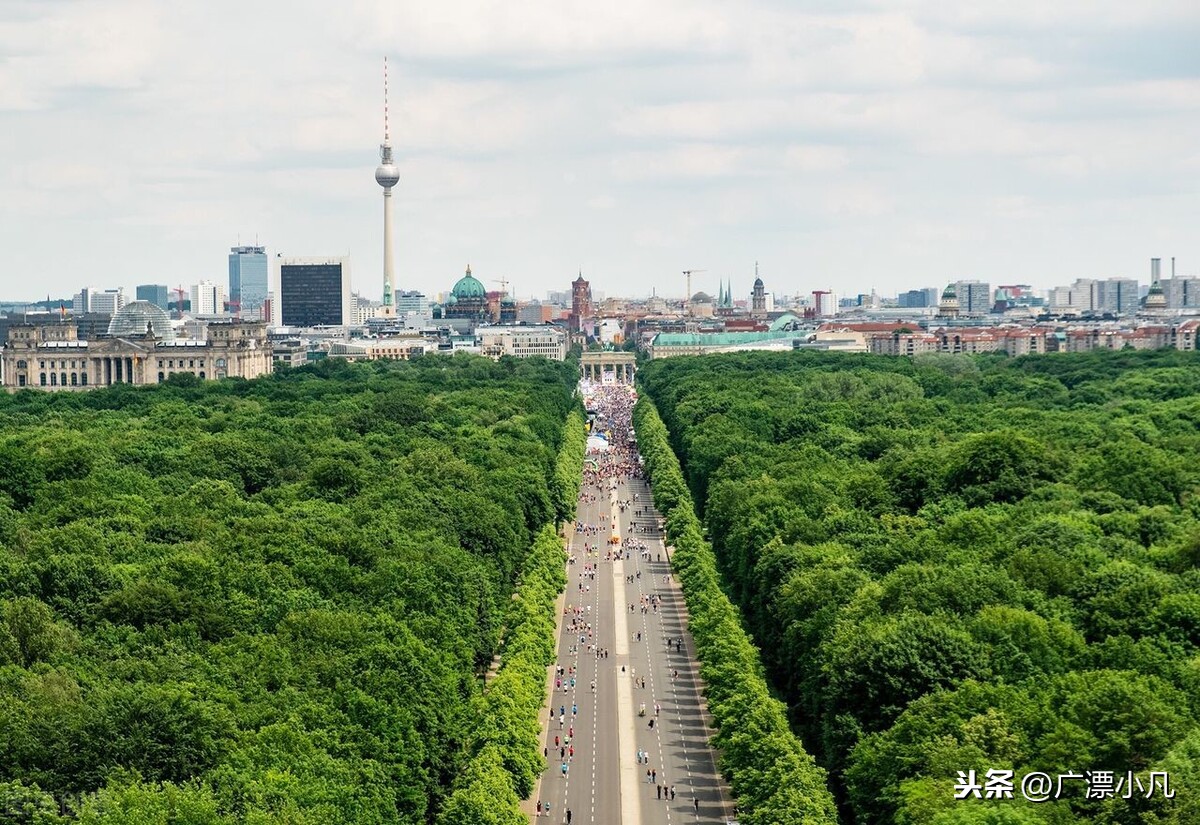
(607, 467)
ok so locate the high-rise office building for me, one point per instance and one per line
(1181, 292)
(314, 292)
(155, 294)
(1081, 296)
(974, 297)
(100, 301)
(208, 298)
(824, 303)
(1117, 295)
(248, 281)
(917, 298)
(411, 301)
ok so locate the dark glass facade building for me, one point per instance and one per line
(313, 294)
(154, 293)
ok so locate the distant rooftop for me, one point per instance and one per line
(716, 339)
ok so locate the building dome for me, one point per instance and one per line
(451, 300)
(949, 293)
(468, 286)
(507, 301)
(702, 298)
(758, 284)
(1155, 298)
(134, 319)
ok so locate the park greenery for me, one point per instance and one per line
(949, 563)
(274, 601)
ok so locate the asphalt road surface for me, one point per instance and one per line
(606, 781)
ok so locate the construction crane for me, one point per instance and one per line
(688, 273)
(503, 285)
(180, 293)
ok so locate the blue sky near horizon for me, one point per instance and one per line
(842, 145)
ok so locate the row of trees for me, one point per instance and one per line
(955, 564)
(268, 601)
(774, 779)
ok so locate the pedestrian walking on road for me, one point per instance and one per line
(672, 793)
(696, 805)
(658, 789)
(539, 808)
(568, 816)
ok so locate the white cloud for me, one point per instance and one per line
(816, 158)
(639, 138)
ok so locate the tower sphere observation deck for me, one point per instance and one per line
(387, 174)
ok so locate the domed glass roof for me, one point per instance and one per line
(949, 292)
(135, 318)
(702, 298)
(468, 286)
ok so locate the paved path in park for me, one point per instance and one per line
(605, 782)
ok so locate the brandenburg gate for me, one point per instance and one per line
(622, 365)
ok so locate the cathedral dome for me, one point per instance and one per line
(702, 298)
(468, 286)
(134, 319)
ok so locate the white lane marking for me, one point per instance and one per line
(631, 812)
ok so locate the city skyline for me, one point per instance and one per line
(856, 148)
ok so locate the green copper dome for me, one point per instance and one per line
(468, 286)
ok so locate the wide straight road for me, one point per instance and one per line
(630, 730)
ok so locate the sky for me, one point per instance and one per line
(840, 145)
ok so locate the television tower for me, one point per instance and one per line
(387, 176)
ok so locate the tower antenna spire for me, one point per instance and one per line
(385, 99)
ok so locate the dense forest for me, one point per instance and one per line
(957, 563)
(273, 601)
